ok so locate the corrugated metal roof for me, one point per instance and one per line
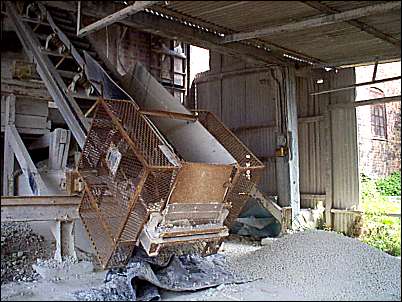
(331, 44)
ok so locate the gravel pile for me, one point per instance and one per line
(20, 248)
(319, 265)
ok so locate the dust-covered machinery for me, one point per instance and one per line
(158, 175)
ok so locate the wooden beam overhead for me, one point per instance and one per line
(352, 86)
(315, 22)
(113, 18)
(383, 100)
(356, 23)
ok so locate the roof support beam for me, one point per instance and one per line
(356, 85)
(356, 23)
(168, 28)
(315, 22)
(383, 100)
(113, 18)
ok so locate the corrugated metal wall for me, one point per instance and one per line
(245, 98)
(345, 171)
(246, 103)
(312, 140)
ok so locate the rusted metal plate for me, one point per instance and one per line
(201, 183)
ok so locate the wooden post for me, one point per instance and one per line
(35, 181)
(288, 165)
(58, 148)
(293, 142)
(8, 171)
(113, 18)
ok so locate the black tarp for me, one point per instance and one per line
(144, 276)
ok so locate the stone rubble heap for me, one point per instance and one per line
(20, 247)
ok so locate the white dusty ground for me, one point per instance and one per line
(313, 265)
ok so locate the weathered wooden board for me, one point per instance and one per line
(27, 106)
(27, 121)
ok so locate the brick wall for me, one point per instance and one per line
(379, 156)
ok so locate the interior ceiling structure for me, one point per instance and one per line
(372, 35)
(350, 42)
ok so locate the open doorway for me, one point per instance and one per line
(199, 61)
(379, 140)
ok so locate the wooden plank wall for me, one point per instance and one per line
(30, 115)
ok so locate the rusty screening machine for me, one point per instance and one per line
(158, 175)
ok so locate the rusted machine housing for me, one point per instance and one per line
(146, 185)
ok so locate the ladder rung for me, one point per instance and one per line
(67, 74)
(55, 53)
(83, 96)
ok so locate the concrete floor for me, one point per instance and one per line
(263, 289)
(42, 290)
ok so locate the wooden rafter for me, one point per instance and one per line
(113, 18)
(356, 23)
(352, 86)
(315, 22)
(168, 28)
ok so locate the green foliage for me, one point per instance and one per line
(391, 185)
(380, 230)
(383, 233)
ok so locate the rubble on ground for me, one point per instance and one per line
(20, 247)
(320, 265)
(54, 270)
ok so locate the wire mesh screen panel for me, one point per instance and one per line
(243, 156)
(157, 188)
(141, 132)
(243, 182)
(98, 234)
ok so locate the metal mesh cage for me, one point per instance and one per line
(129, 175)
(121, 158)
